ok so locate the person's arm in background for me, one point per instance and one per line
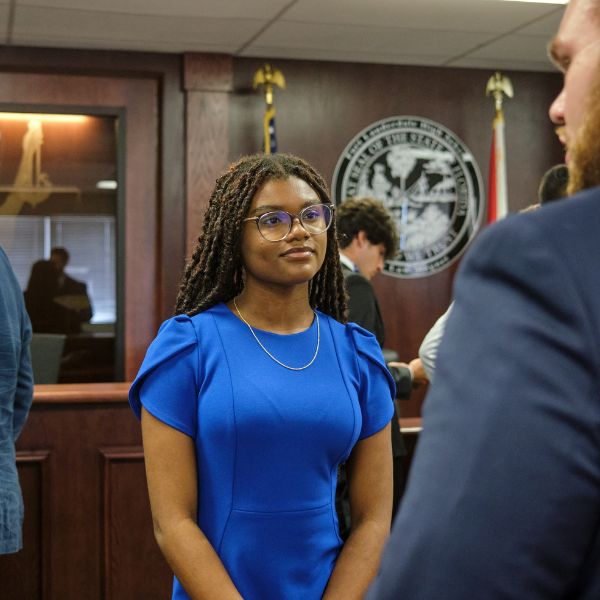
(430, 344)
(403, 378)
(407, 376)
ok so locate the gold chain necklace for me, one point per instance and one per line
(312, 360)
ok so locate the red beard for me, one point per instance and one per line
(584, 167)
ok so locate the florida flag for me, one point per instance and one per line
(270, 139)
(497, 193)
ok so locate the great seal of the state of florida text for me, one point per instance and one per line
(427, 178)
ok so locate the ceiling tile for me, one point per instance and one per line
(74, 26)
(546, 26)
(215, 9)
(515, 47)
(397, 42)
(477, 33)
(502, 64)
(99, 43)
(459, 15)
(274, 52)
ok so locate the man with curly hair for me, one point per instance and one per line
(367, 236)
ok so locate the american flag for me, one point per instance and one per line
(497, 188)
(270, 137)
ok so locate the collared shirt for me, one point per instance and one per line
(348, 263)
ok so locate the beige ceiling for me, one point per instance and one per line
(461, 33)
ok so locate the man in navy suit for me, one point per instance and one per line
(503, 498)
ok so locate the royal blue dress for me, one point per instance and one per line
(268, 440)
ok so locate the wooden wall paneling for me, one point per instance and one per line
(26, 575)
(326, 104)
(128, 541)
(208, 84)
(172, 185)
(73, 526)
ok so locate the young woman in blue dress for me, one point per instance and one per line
(254, 393)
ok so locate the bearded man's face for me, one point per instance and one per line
(576, 51)
(584, 169)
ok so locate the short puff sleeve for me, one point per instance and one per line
(167, 382)
(377, 388)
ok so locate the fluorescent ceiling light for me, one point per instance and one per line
(106, 184)
(58, 118)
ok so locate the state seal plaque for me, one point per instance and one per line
(427, 178)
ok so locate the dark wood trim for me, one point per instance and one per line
(40, 459)
(208, 72)
(411, 425)
(81, 393)
(108, 457)
(208, 81)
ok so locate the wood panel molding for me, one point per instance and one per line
(76, 431)
(29, 570)
(206, 159)
(207, 72)
(127, 534)
(81, 393)
(208, 80)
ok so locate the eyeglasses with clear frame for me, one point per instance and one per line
(275, 225)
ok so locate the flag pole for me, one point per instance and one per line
(498, 86)
(266, 77)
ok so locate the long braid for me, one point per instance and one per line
(214, 272)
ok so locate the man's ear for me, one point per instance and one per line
(361, 239)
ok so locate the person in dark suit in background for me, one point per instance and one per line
(16, 395)
(47, 315)
(503, 496)
(367, 235)
(71, 292)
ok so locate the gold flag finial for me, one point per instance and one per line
(497, 86)
(268, 77)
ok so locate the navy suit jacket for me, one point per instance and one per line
(503, 498)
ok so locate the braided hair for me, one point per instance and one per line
(215, 271)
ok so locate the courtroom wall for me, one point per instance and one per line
(327, 103)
